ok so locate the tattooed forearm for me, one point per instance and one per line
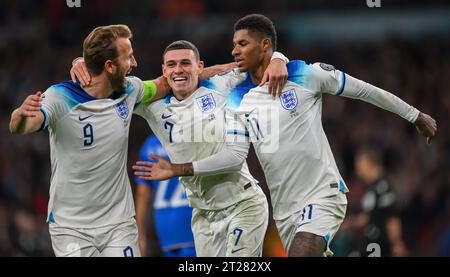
(187, 169)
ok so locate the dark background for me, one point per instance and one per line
(402, 47)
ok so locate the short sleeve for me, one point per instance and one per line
(54, 106)
(279, 55)
(140, 110)
(136, 86)
(149, 91)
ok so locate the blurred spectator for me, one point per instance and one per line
(378, 222)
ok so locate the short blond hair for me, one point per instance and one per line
(100, 46)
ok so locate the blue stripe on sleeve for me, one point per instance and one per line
(342, 186)
(45, 123)
(237, 132)
(341, 88)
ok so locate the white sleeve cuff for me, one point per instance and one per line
(229, 159)
(278, 55)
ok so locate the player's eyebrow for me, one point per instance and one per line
(178, 61)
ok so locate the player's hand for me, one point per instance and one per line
(426, 126)
(31, 105)
(158, 171)
(79, 72)
(162, 86)
(277, 75)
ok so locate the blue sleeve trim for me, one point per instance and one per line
(45, 123)
(341, 88)
(51, 218)
(342, 186)
(237, 132)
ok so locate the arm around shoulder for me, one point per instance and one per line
(28, 118)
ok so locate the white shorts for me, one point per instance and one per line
(321, 217)
(236, 231)
(119, 240)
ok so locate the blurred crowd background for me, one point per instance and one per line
(403, 47)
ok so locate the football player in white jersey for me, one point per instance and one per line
(307, 190)
(91, 210)
(230, 210)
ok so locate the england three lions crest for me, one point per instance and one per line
(206, 103)
(122, 109)
(289, 100)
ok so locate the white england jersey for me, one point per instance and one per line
(288, 137)
(89, 143)
(193, 129)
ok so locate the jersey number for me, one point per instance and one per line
(238, 232)
(169, 126)
(307, 213)
(88, 133)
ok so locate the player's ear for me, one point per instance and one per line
(201, 65)
(109, 67)
(164, 71)
(266, 44)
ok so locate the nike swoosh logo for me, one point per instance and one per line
(84, 118)
(237, 250)
(166, 117)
